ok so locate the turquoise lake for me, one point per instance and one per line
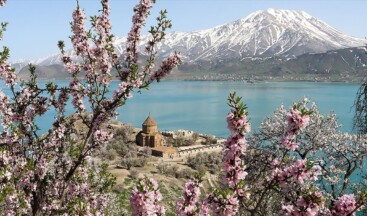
(201, 106)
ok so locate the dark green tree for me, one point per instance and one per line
(360, 111)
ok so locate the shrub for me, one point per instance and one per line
(172, 170)
(201, 169)
(185, 173)
(134, 174)
(107, 154)
(123, 134)
(205, 161)
(162, 168)
(146, 151)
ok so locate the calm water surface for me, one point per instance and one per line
(201, 106)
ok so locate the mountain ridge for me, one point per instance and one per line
(265, 33)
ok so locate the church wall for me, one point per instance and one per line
(150, 129)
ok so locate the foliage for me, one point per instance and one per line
(360, 115)
(48, 174)
(333, 158)
(134, 174)
(298, 163)
(204, 161)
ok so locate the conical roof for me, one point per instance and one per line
(150, 122)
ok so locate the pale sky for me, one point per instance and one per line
(35, 26)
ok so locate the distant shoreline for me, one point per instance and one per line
(230, 80)
(266, 81)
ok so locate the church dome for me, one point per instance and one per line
(150, 122)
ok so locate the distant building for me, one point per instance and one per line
(150, 136)
(165, 152)
(178, 134)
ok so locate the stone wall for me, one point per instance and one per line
(194, 150)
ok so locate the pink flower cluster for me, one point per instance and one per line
(241, 123)
(83, 192)
(77, 91)
(344, 206)
(71, 67)
(7, 73)
(61, 101)
(189, 203)
(233, 164)
(296, 121)
(103, 24)
(80, 37)
(141, 13)
(297, 172)
(47, 174)
(224, 204)
(144, 198)
(101, 137)
(6, 112)
(167, 66)
(103, 52)
(287, 141)
(304, 206)
(234, 148)
(2, 3)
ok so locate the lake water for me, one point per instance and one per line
(201, 106)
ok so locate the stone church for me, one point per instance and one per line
(150, 136)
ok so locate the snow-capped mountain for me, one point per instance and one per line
(268, 32)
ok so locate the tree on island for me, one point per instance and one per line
(279, 169)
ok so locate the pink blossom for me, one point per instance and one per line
(235, 124)
(139, 19)
(7, 73)
(2, 3)
(189, 203)
(71, 67)
(287, 142)
(144, 198)
(80, 38)
(101, 137)
(309, 205)
(205, 208)
(29, 159)
(297, 172)
(344, 205)
(224, 205)
(226, 202)
(167, 65)
(296, 121)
